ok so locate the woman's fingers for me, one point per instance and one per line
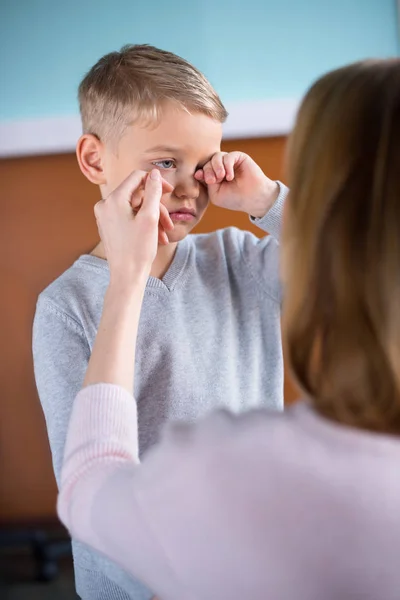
(164, 225)
(152, 210)
(141, 193)
(162, 236)
(165, 219)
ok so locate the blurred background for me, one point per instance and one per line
(261, 56)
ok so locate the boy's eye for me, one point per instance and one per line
(164, 164)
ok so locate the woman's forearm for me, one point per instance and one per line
(113, 355)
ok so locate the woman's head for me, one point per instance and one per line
(342, 246)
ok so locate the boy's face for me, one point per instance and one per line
(179, 145)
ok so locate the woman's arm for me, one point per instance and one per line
(113, 355)
(102, 439)
(130, 243)
(112, 504)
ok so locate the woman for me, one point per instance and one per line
(303, 505)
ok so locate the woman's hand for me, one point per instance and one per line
(131, 223)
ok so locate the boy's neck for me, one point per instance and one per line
(161, 264)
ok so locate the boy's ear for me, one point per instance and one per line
(90, 155)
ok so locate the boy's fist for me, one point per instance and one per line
(236, 182)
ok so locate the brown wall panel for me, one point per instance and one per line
(46, 222)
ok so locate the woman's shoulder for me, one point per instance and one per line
(262, 440)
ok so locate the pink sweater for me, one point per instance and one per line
(263, 505)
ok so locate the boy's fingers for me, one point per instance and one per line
(229, 162)
(199, 175)
(217, 163)
(209, 175)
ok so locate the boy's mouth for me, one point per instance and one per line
(183, 214)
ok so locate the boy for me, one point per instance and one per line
(211, 316)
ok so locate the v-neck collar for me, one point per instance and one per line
(171, 277)
(175, 270)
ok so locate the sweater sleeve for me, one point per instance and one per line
(271, 222)
(103, 489)
(261, 256)
(61, 354)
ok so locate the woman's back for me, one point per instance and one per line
(258, 506)
(293, 506)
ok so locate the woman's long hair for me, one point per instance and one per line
(342, 246)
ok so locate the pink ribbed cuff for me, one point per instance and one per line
(103, 426)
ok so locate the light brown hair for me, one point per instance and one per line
(342, 258)
(133, 84)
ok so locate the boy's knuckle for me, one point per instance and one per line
(98, 208)
(148, 217)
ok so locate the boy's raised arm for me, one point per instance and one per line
(235, 182)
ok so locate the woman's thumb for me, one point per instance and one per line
(152, 193)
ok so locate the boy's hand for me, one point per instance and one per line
(132, 222)
(236, 182)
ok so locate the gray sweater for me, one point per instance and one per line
(209, 337)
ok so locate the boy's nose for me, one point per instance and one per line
(187, 188)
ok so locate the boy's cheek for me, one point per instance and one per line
(165, 198)
(204, 197)
(169, 176)
(202, 206)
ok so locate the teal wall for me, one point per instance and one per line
(250, 49)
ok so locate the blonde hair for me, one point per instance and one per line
(342, 257)
(134, 84)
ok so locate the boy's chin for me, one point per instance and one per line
(179, 233)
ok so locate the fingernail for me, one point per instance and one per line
(155, 175)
